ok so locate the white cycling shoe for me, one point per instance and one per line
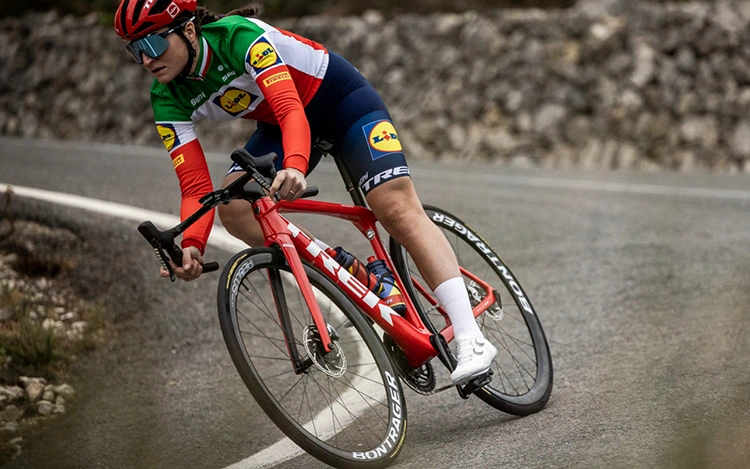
(475, 356)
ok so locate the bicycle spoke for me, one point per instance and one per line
(309, 407)
(379, 383)
(269, 338)
(265, 310)
(334, 419)
(304, 393)
(351, 342)
(504, 332)
(362, 394)
(357, 419)
(303, 304)
(249, 291)
(362, 364)
(290, 389)
(269, 358)
(517, 341)
(354, 419)
(283, 373)
(284, 352)
(518, 364)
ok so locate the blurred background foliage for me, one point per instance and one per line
(286, 8)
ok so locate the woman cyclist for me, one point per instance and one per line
(236, 66)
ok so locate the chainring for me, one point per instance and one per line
(421, 380)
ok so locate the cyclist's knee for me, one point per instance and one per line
(397, 207)
(237, 218)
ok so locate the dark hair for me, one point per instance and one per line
(205, 16)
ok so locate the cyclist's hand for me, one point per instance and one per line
(289, 183)
(191, 267)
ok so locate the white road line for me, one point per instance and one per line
(220, 238)
(282, 450)
(601, 186)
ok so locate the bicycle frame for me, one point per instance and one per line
(408, 331)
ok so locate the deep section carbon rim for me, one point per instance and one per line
(522, 379)
(345, 407)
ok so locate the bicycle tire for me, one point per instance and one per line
(365, 428)
(511, 390)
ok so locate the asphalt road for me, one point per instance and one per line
(642, 283)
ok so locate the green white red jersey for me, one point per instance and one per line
(246, 69)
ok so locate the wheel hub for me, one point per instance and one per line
(332, 363)
(477, 294)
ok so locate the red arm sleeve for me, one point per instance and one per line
(195, 182)
(279, 90)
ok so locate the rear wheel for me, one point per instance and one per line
(522, 371)
(346, 407)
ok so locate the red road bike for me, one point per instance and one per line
(324, 357)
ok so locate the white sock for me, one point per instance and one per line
(321, 244)
(455, 300)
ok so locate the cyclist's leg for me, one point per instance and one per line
(397, 207)
(237, 216)
(373, 154)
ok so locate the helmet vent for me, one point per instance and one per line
(159, 7)
(123, 17)
(138, 10)
(142, 27)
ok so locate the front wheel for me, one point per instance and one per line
(345, 407)
(522, 371)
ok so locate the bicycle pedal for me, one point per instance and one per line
(474, 385)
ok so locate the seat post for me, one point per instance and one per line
(353, 189)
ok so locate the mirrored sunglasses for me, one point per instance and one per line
(152, 45)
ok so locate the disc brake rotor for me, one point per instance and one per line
(333, 363)
(477, 294)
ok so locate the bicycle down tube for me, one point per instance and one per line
(409, 332)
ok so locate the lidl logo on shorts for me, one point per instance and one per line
(235, 101)
(382, 138)
(168, 136)
(262, 55)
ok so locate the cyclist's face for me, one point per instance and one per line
(169, 64)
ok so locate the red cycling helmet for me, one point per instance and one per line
(135, 19)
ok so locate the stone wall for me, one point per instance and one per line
(607, 84)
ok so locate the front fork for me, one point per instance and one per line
(284, 241)
(276, 233)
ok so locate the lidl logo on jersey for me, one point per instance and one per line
(262, 55)
(383, 138)
(235, 101)
(168, 136)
